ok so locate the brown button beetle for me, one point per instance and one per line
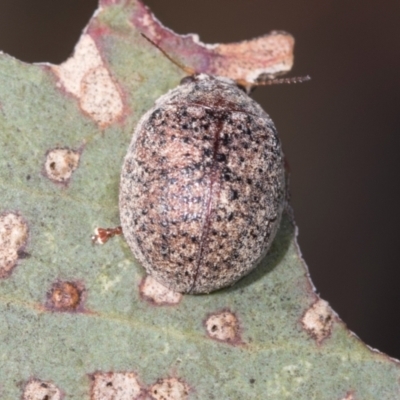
(202, 186)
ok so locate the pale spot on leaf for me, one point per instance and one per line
(85, 76)
(318, 320)
(40, 390)
(13, 238)
(86, 57)
(224, 327)
(169, 389)
(60, 164)
(115, 385)
(100, 97)
(349, 396)
(158, 294)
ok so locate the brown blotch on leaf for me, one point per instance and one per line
(60, 163)
(115, 385)
(318, 320)
(66, 296)
(266, 56)
(157, 294)
(223, 326)
(13, 238)
(41, 390)
(169, 389)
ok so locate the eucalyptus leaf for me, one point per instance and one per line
(80, 321)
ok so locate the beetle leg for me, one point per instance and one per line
(102, 235)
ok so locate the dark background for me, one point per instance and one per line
(341, 131)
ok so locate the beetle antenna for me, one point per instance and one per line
(277, 81)
(188, 70)
(294, 79)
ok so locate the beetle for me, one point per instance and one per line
(202, 186)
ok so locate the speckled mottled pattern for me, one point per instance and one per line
(202, 186)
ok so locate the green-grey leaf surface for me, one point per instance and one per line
(117, 330)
